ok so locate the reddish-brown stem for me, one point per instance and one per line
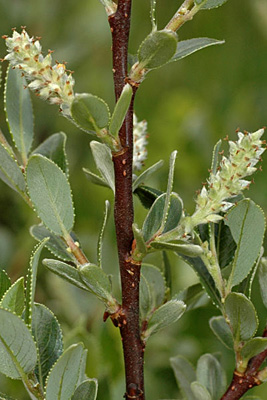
(128, 316)
(241, 383)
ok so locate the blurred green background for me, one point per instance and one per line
(189, 105)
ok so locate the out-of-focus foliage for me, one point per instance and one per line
(189, 105)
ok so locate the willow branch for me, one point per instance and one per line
(128, 316)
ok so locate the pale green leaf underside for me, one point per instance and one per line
(185, 375)
(193, 296)
(18, 353)
(54, 149)
(152, 289)
(263, 279)
(242, 316)
(13, 299)
(66, 272)
(10, 171)
(157, 49)
(103, 160)
(247, 224)
(97, 180)
(211, 375)
(161, 219)
(5, 282)
(63, 378)
(50, 193)
(253, 347)
(140, 180)
(222, 330)
(55, 244)
(97, 282)
(87, 390)
(101, 233)
(190, 46)
(164, 316)
(200, 391)
(90, 112)
(19, 111)
(190, 250)
(120, 110)
(31, 281)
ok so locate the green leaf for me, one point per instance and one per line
(50, 193)
(247, 224)
(146, 174)
(211, 375)
(190, 46)
(101, 234)
(154, 217)
(5, 282)
(164, 316)
(242, 316)
(17, 349)
(66, 271)
(205, 277)
(185, 375)
(263, 280)
(225, 244)
(166, 267)
(55, 243)
(10, 171)
(157, 49)
(31, 281)
(190, 250)
(13, 299)
(193, 296)
(103, 160)
(87, 390)
(252, 348)
(200, 391)
(147, 195)
(90, 112)
(19, 111)
(152, 290)
(63, 378)
(156, 223)
(120, 109)
(208, 4)
(140, 246)
(222, 330)
(97, 180)
(97, 282)
(168, 194)
(48, 338)
(54, 148)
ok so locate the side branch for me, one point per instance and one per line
(241, 383)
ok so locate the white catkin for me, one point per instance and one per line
(51, 83)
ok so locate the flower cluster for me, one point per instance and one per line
(51, 83)
(140, 141)
(229, 180)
